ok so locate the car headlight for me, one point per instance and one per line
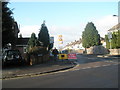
(5, 57)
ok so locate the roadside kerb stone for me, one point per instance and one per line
(43, 72)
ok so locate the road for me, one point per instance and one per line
(97, 73)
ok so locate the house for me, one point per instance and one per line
(21, 45)
(114, 28)
(15, 29)
(75, 47)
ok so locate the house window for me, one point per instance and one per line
(24, 49)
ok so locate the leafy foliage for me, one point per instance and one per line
(115, 41)
(50, 46)
(33, 41)
(43, 36)
(7, 23)
(90, 36)
(107, 42)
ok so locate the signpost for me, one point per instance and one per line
(60, 39)
(110, 37)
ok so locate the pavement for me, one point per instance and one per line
(46, 67)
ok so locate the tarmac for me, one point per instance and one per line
(46, 67)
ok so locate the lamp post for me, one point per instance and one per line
(118, 17)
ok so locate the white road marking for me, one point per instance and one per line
(96, 66)
(107, 65)
(86, 68)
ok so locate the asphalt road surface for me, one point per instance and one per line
(88, 74)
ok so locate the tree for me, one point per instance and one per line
(114, 40)
(107, 42)
(7, 24)
(43, 35)
(118, 38)
(32, 41)
(90, 36)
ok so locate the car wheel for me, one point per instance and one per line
(3, 64)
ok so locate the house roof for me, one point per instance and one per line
(115, 27)
(74, 43)
(22, 41)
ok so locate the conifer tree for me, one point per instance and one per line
(7, 25)
(43, 35)
(90, 36)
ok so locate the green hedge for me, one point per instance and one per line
(115, 41)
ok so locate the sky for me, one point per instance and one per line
(64, 18)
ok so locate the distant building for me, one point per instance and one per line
(21, 45)
(75, 46)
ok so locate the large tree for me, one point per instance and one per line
(90, 36)
(7, 25)
(43, 35)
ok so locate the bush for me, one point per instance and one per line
(115, 40)
(37, 55)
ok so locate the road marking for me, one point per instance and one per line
(96, 66)
(36, 75)
(86, 68)
(83, 68)
(76, 69)
(107, 65)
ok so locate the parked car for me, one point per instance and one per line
(11, 56)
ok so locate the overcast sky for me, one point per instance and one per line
(64, 18)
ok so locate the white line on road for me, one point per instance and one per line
(86, 68)
(106, 65)
(96, 66)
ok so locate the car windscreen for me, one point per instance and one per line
(13, 53)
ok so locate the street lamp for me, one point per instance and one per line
(118, 17)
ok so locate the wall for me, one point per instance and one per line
(97, 50)
(114, 51)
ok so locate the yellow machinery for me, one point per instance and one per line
(63, 56)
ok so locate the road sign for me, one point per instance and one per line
(109, 35)
(51, 39)
(72, 56)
